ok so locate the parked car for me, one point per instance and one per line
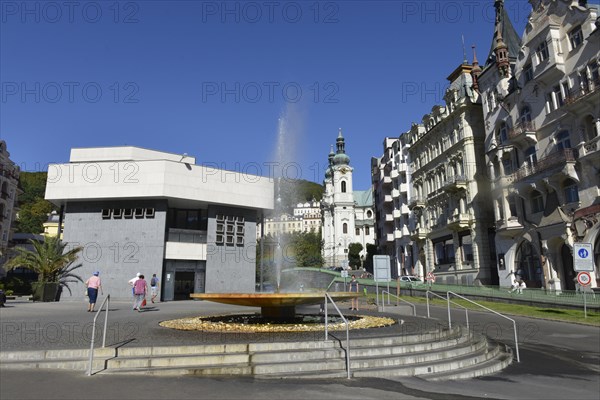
(410, 279)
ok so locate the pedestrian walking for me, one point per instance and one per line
(140, 288)
(93, 284)
(154, 287)
(132, 283)
(353, 287)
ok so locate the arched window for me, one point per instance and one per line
(537, 202)
(571, 191)
(343, 186)
(345, 228)
(528, 265)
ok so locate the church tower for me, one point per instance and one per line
(338, 206)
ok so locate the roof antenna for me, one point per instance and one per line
(464, 50)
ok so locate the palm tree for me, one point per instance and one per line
(50, 260)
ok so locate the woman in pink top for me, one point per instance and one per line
(93, 284)
(140, 288)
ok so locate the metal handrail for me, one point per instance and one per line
(331, 283)
(327, 296)
(107, 302)
(453, 302)
(397, 298)
(490, 310)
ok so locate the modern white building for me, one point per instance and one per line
(9, 181)
(542, 118)
(345, 220)
(139, 210)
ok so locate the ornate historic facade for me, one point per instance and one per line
(541, 104)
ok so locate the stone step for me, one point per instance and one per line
(442, 355)
(436, 355)
(498, 360)
(437, 367)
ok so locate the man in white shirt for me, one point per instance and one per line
(132, 282)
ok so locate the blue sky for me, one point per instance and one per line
(212, 79)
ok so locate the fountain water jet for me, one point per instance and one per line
(276, 306)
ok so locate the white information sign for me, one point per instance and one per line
(344, 274)
(583, 257)
(381, 268)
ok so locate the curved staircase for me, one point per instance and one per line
(437, 354)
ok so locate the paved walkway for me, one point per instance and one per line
(559, 360)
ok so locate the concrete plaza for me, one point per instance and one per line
(558, 360)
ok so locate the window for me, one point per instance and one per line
(575, 37)
(190, 219)
(369, 214)
(502, 133)
(558, 96)
(525, 115)
(367, 230)
(530, 156)
(467, 248)
(571, 191)
(343, 186)
(512, 205)
(345, 228)
(542, 52)
(537, 202)
(508, 166)
(563, 140)
(357, 231)
(444, 251)
(105, 213)
(528, 72)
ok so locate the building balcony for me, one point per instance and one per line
(459, 221)
(508, 226)
(550, 70)
(389, 237)
(403, 187)
(402, 167)
(404, 209)
(401, 233)
(395, 193)
(397, 213)
(395, 173)
(455, 183)
(387, 180)
(523, 133)
(549, 165)
(388, 198)
(588, 148)
(578, 97)
(416, 202)
(389, 217)
(419, 233)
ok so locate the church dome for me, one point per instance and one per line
(341, 158)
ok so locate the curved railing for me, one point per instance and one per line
(328, 298)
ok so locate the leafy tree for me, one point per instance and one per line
(307, 249)
(50, 259)
(354, 250)
(371, 251)
(34, 209)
